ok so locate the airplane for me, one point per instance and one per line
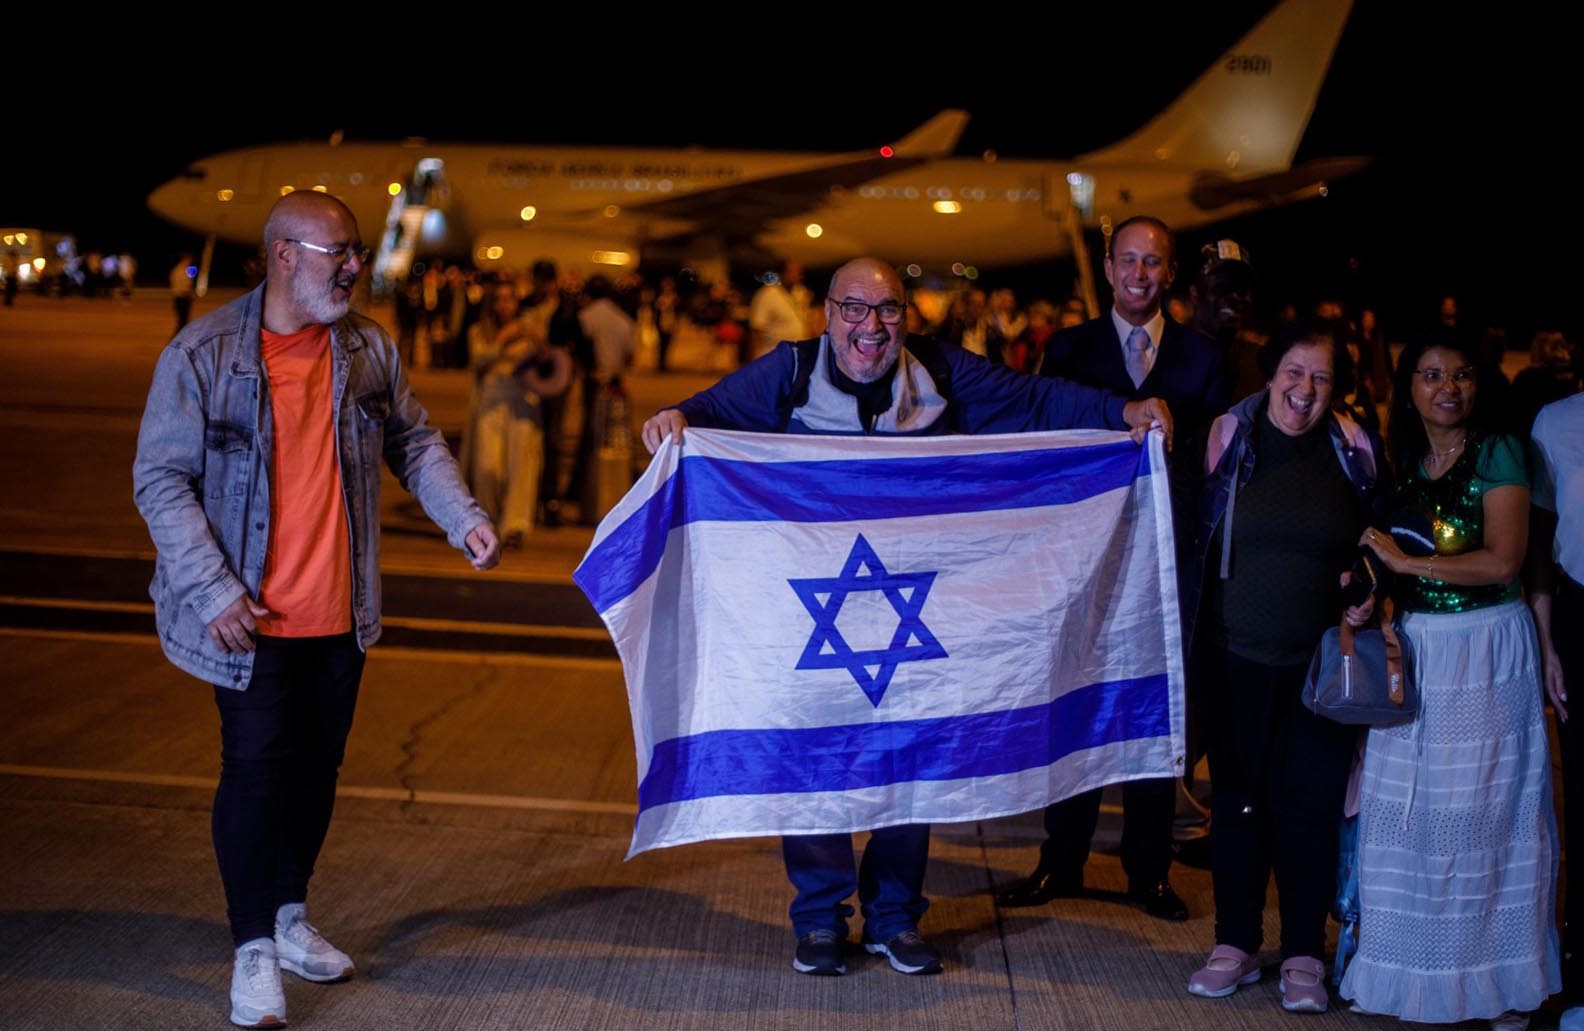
(1222, 148)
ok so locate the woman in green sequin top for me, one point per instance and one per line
(1468, 485)
(1457, 838)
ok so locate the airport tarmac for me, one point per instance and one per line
(475, 867)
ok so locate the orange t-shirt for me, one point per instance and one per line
(308, 568)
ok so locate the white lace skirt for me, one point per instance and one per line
(1457, 838)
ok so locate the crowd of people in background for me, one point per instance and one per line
(452, 316)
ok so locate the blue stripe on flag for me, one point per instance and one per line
(842, 490)
(863, 755)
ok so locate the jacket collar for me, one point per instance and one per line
(249, 324)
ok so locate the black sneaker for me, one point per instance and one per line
(908, 953)
(820, 953)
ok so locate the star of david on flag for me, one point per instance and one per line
(872, 668)
(826, 634)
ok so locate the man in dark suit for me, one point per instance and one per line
(1137, 351)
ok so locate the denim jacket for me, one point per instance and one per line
(201, 476)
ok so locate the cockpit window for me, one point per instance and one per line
(196, 173)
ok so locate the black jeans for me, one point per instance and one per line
(1280, 774)
(281, 744)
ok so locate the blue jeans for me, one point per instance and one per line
(889, 882)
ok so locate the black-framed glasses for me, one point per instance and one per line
(1435, 377)
(890, 312)
(340, 252)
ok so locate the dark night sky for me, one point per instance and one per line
(1462, 117)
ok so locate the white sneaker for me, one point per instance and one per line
(1512, 1020)
(1572, 1019)
(303, 950)
(256, 996)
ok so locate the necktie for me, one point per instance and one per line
(1138, 355)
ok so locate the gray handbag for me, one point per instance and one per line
(1363, 676)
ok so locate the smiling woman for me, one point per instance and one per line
(1301, 389)
(1457, 837)
(1301, 481)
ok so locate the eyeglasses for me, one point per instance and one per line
(890, 312)
(1435, 377)
(340, 252)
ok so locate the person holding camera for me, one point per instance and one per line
(1290, 485)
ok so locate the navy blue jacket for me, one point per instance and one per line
(988, 398)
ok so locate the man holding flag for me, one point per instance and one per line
(866, 376)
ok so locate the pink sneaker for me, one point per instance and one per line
(1303, 985)
(1226, 969)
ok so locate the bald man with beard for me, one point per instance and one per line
(258, 473)
(866, 375)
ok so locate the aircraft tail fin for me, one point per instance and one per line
(1248, 111)
(935, 138)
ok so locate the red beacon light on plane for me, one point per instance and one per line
(886, 152)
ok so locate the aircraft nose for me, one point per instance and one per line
(180, 203)
(162, 201)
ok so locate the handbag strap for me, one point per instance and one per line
(1394, 660)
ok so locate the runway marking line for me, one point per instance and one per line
(388, 567)
(77, 552)
(450, 626)
(378, 653)
(451, 798)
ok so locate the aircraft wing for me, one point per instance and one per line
(1212, 191)
(742, 208)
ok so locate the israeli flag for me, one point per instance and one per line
(827, 634)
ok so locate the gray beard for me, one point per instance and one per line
(316, 304)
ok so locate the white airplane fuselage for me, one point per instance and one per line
(995, 212)
(1223, 147)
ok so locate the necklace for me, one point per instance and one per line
(1436, 456)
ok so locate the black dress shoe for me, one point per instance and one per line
(1039, 888)
(1160, 901)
